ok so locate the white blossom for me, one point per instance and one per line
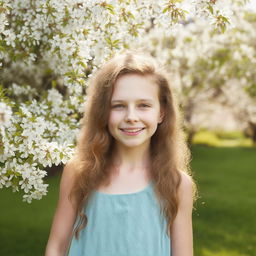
(58, 46)
(5, 114)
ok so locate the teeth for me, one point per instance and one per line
(132, 130)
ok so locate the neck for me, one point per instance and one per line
(128, 160)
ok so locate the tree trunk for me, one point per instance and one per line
(54, 170)
(253, 132)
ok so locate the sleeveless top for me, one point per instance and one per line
(123, 225)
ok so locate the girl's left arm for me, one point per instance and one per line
(181, 233)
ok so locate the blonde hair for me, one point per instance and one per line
(168, 150)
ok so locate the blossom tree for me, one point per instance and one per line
(48, 49)
(212, 70)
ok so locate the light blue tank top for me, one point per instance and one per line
(123, 225)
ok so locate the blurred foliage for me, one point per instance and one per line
(222, 139)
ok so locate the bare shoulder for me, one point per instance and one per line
(186, 190)
(69, 172)
(186, 183)
(67, 179)
(69, 167)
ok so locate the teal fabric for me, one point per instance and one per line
(123, 225)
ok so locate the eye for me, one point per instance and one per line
(143, 105)
(118, 106)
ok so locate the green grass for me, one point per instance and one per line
(25, 227)
(224, 219)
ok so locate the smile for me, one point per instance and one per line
(132, 131)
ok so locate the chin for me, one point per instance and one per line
(132, 144)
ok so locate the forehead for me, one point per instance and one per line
(134, 86)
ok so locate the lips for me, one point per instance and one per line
(132, 129)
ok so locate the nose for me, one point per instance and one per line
(131, 115)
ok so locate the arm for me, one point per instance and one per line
(181, 233)
(64, 218)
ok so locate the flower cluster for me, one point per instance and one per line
(37, 135)
(5, 114)
(48, 49)
(217, 12)
(211, 69)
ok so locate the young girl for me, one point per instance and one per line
(127, 191)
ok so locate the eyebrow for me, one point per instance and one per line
(148, 100)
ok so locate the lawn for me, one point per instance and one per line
(25, 227)
(224, 218)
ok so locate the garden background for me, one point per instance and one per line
(49, 49)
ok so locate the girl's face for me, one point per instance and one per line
(135, 111)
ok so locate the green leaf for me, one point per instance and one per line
(54, 83)
(166, 9)
(110, 8)
(210, 9)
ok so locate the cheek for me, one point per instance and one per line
(151, 117)
(114, 118)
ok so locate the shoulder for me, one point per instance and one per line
(186, 182)
(70, 169)
(68, 176)
(67, 172)
(186, 190)
(67, 183)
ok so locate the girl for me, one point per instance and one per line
(127, 191)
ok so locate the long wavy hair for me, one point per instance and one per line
(93, 157)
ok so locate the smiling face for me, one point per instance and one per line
(135, 111)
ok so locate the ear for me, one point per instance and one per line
(161, 117)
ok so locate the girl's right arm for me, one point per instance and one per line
(64, 218)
